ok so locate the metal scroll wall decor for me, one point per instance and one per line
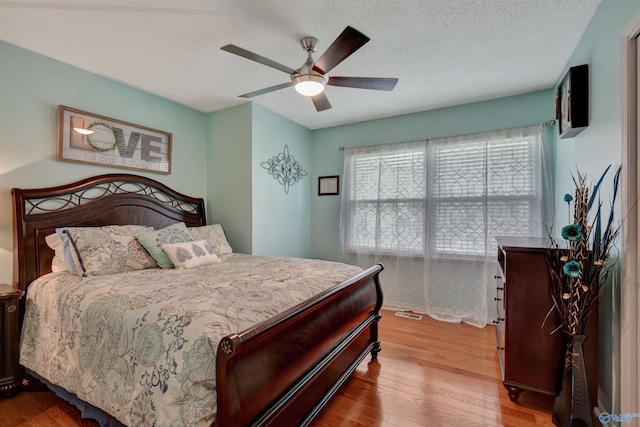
(285, 169)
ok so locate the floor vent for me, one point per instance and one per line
(408, 315)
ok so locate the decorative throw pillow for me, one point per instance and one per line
(58, 263)
(215, 235)
(153, 241)
(190, 254)
(108, 250)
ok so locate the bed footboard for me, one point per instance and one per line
(283, 371)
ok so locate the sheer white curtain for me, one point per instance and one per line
(429, 211)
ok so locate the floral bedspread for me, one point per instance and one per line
(142, 345)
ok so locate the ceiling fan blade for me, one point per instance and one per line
(374, 83)
(321, 102)
(265, 90)
(257, 58)
(347, 42)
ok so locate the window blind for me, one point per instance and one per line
(440, 197)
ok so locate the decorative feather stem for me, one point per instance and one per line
(580, 268)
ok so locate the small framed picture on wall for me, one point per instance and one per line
(329, 185)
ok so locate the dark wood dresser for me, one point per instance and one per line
(530, 355)
(10, 370)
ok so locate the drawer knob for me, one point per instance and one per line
(500, 348)
(496, 276)
(500, 289)
(497, 299)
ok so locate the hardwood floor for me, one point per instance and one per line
(429, 373)
(434, 374)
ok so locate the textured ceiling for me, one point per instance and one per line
(444, 52)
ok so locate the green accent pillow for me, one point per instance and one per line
(153, 241)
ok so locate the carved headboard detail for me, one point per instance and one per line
(101, 200)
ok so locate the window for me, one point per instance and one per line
(388, 199)
(447, 197)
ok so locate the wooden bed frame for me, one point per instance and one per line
(280, 372)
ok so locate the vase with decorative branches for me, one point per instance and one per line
(579, 266)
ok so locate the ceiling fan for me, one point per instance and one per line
(312, 77)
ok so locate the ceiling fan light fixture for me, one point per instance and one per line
(309, 84)
(311, 78)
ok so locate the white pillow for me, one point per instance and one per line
(190, 254)
(58, 263)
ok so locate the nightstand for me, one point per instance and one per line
(10, 371)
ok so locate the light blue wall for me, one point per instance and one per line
(31, 88)
(281, 221)
(229, 174)
(257, 214)
(598, 146)
(515, 111)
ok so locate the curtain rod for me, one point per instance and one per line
(549, 123)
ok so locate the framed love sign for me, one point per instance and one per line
(85, 137)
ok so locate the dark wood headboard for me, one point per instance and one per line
(101, 200)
